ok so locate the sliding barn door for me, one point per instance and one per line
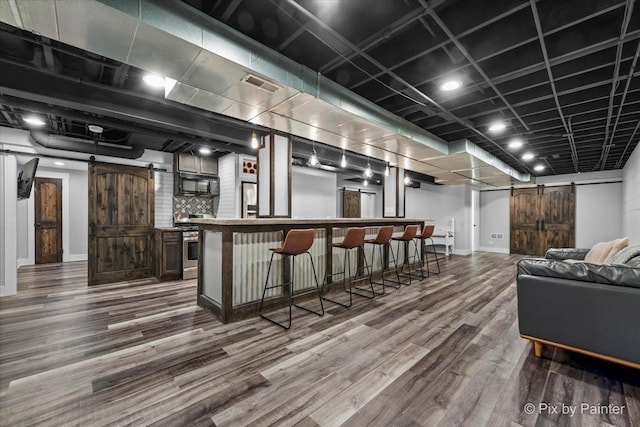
(525, 211)
(542, 218)
(351, 204)
(48, 216)
(558, 218)
(121, 214)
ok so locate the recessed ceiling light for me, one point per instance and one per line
(204, 150)
(451, 85)
(33, 121)
(538, 168)
(154, 80)
(96, 129)
(528, 156)
(496, 127)
(515, 143)
(58, 163)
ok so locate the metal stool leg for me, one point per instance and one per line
(315, 277)
(344, 279)
(266, 283)
(373, 294)
(435, 254)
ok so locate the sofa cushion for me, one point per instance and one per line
(625, 255)
(600, 252)
(621, 275)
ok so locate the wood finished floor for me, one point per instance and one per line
(444, 351)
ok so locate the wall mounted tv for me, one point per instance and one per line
(26, 177)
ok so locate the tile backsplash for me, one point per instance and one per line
(192, 205)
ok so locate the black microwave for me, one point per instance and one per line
(194, 185)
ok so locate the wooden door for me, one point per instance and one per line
(121, 215)
(525, 211)
(557, 218)
(351, 204)
(48, 220)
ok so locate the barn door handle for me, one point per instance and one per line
(537, 225)
(92, 230)
(543, 225)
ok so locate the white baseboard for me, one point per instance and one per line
(23, 261)
(77, 257)
(462, 252)
(495, 250)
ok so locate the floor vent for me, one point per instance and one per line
(260, 83)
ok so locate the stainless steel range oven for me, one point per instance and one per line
(189, 254)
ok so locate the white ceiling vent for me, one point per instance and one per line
(261, 83)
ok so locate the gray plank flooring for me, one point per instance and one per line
(444, 351)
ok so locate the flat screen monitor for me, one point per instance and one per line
(26, 177)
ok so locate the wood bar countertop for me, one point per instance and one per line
(313, 222)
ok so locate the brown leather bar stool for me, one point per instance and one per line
(383, 241)
(427, 232)
(297, 242)
(408, 236)
(353, 239)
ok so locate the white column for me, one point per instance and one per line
(8, 225)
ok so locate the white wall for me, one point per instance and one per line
(313, 193)
(631, 198)
(494, 218)
(598, 214)
(8, 212)
(371, 202)
(443, 202)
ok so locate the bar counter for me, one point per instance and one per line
(234, 258)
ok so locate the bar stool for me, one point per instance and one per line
(409, 235)
(383, 241)
(297, 242)
(427, 232)
(353, 239)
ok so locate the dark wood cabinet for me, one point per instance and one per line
(168, 254)
(187, 163)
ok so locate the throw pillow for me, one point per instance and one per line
(601, 252)
(617, 246)
(625, 255)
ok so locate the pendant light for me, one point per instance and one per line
(343, 163)
(365, 182)
(368, 172)
(313, 160)
(386, 170)
(407, 180)
(254, 140)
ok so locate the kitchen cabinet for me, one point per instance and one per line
(168, 254)
(186, 163)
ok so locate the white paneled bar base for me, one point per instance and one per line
(235, 259)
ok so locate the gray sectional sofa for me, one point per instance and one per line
(589, 308)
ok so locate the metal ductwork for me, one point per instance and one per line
(84, 146)
(211, 66)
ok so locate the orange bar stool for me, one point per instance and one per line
(427, 232)
(297, 242)
(353, 239)
(383, 241)
(408, 236)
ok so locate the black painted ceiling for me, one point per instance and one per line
(395, 53)
(556, 71)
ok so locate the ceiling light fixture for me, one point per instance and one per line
(368, 172)
(95, 128)
(58, 163)
(365, 182)
(497, 127)
(515, 144)
(407, 180)
(343, 162)
(33, 121)
(387, 171)
(451, 85)
(538, 168)
(527, 156)
(254, 140)
(204, 150)
(154, 80)
(313, 160)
